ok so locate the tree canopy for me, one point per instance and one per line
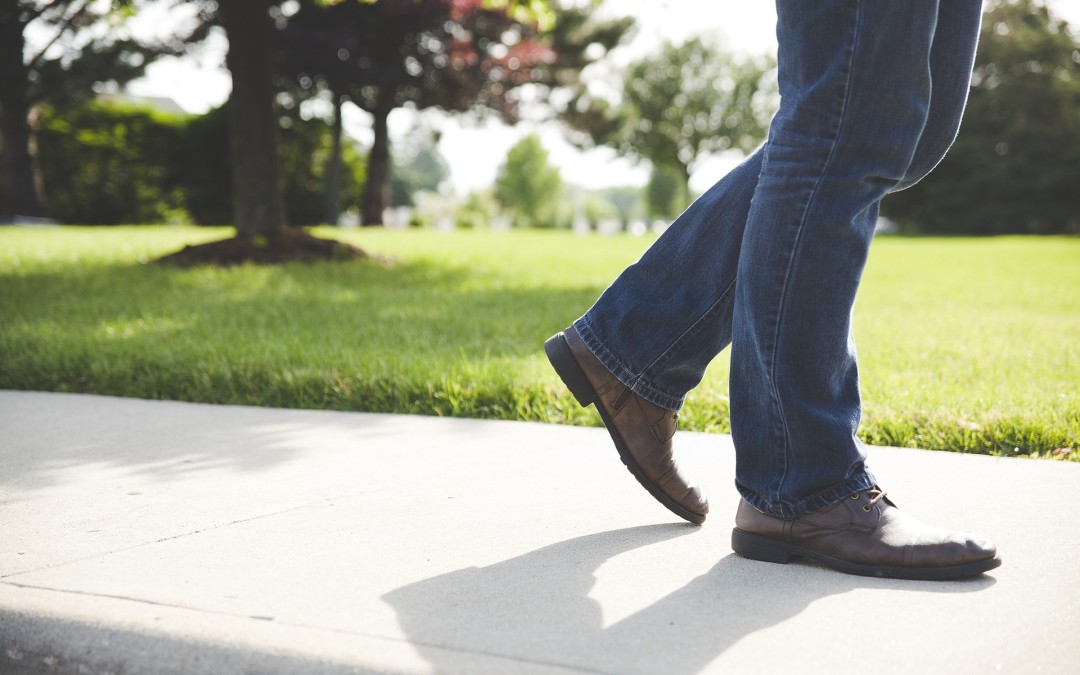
(681, 104)
(460, 55)
(528, 185)
(382, 55)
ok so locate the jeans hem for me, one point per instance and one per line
(611, 362)
(815, 502)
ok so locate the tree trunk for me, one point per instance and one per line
(377, 185)
(21, 188)
(22, 194)
(684, 173)
(333, 168)
(256, 174)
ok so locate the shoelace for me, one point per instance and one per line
(876, 496)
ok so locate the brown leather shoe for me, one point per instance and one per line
(864, 534)
(642, 431)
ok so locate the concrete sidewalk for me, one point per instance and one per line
(155, 537)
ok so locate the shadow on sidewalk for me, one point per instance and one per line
(535, 607)
(53, 436)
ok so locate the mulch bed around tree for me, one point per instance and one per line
(290, 245)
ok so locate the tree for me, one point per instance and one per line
(460, 55)
(680, 105)
(578, 40)
(254, 158)
(665, 195)
(108, 163)
(1013, 167)
(77, 54)
(627, 201)
(258, 209)
(479, 210)
(596, 209)
(382, 55)
(304, 146)
(417, 166)
(529, 186)
(260, 226)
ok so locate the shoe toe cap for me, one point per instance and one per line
(696, 501)
(978, 547)
(959, 548)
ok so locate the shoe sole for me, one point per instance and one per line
(567, 368)
(757, 547)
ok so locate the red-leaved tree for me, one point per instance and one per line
(456, 55)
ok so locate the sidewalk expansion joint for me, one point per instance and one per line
(211, 528)
(507, 657)
(325, 629)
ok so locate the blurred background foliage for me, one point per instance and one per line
(115, 163)
(1013, 168)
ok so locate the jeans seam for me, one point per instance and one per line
(814, 191)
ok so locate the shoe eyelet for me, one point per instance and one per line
(855, 496)
(867, 508)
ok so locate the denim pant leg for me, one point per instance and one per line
(952, 58)
(667, 316)
(855, 81)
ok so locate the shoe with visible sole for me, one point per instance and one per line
(642, 432)
(864, 534)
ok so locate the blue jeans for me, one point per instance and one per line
(770, 258)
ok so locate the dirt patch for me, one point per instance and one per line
(290, 245)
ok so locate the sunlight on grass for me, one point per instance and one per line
(964, 344)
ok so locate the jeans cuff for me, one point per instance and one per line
(815, 502)
(637, 383)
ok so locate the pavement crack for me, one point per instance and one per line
(327, 629)
(211, 528)
(496, 655)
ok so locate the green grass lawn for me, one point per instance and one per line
(964, 344)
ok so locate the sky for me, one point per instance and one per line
(475, 150)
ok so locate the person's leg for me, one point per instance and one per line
(952, 58)
(856, 84)
(668, 315)
(649, 337)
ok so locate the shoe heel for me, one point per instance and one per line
(756, 547)
(567, 368)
